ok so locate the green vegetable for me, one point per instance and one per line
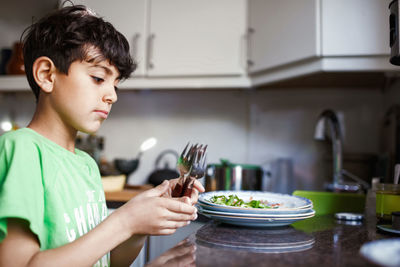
(235, 201)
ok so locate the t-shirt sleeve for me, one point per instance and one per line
(21, 186)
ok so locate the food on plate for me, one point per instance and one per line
(235, 201)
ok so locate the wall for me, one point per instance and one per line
(392, 93)
(283, 123)
(16, 16)
(253, 126)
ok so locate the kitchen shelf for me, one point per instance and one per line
(288, 72)
(13, 83)
(317, 65)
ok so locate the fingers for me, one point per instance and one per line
(157, 191)
(194, 196)
(179, 217)
(198, 186)
(168, 231)
(174, 181)
(185, 200)
(178, 206)
(174, 225)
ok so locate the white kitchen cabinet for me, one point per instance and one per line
(290, 38)
(282, 32)
(128, 17)
(197, 44)
(181, 37)
(197, 37)
(355, 27)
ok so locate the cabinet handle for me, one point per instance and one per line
(243, 52)
(135, 43)
(150, 44)
(250, 62)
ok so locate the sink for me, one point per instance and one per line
(330, 203)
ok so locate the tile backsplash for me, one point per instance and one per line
(252, 126)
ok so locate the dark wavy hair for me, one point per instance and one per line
(67, 35)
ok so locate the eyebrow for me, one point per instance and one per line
(107, 70)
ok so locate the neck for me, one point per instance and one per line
(53, 129)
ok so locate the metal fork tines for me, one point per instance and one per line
(191, 165)
(186, 158)
(199, 163)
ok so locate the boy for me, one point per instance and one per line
(52, 205)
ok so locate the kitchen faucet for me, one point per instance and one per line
(329, 117)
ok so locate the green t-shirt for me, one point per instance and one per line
(58, 192)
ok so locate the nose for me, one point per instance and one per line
(110, 95)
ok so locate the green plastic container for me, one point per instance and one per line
(330, 203)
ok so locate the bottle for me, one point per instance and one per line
(370, 205)
(15, 65)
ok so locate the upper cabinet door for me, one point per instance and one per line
(196, 37)
(356, 27)
(281, 32)
(128, 17)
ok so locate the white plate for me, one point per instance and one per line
(256, 215)
(384, 252)
(290, 204)
(233, 210)
(388, 228)
(255, 222)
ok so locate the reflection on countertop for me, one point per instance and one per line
(321, 240)
(266, 240)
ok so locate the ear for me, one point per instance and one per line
(44, 73)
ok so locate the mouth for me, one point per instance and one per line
(102, 113)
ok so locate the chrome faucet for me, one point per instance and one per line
(329, 117)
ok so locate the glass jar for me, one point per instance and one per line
(387, 201)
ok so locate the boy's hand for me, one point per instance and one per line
(197, 187)
(150, 213)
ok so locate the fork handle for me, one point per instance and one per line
(187, 187)
(177, 191)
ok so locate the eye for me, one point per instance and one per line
(97, 79)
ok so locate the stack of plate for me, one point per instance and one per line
(291, 209)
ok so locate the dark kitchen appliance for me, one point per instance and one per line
(128, 166)
(394, 32)
(390, 143)
(230, 176)
(165, 173)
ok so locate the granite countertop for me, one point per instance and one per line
(321, 240)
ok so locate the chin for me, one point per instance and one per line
(90, 129)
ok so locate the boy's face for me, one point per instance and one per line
(83, 98)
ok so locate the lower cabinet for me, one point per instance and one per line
(157, 245)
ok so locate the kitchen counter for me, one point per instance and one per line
(118, 198)
(321, 240)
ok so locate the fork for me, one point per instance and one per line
(197, 171)
(185, 161)
(185, 164)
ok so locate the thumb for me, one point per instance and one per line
(159, 190)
